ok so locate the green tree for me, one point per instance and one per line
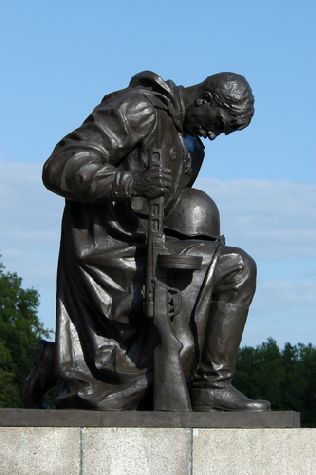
(307, 371)
(285, 377)
(20, 330)
(260, 371)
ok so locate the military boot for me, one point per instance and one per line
(212, 389)
(42, 378)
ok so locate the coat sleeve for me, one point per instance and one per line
(83, 166)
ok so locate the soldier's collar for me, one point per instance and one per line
(163, 94)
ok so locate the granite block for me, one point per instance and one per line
(39, 451)
(118, 451)
(254, 452)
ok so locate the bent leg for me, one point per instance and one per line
(234, 288)
(235, 277)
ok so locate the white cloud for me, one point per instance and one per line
(273, 221)
(284, 311)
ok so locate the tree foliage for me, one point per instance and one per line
(285, 377)
(20, 330)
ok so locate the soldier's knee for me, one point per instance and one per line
(246, 278)
(236, 275)
(248, 266)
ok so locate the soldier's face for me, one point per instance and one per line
(205, 120)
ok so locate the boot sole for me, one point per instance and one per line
(221, 409)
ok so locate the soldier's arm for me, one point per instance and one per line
(83, 166)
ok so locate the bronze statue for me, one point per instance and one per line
(151, 303)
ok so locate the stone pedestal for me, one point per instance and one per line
(186, 445)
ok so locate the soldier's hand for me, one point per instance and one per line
(152, 183)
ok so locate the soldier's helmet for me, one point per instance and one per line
(194, 214)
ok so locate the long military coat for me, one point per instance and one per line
(104, 343)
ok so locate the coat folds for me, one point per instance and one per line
(104, 342)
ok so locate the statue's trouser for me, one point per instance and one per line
(235, 283)
(234, 279)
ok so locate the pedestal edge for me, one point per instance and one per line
(85, 418)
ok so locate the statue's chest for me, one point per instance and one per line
(171, 150)
(181, 154)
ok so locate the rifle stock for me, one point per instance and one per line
(170, 389)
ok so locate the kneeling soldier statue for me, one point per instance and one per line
(151, 303)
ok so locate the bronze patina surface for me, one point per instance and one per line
(151, 302)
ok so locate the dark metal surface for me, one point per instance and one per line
(180, 262)
(126, 175)
(79, 418)
(194, 214)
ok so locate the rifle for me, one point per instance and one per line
(162, 303)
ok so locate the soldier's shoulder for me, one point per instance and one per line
(130, 105)
(130, 101)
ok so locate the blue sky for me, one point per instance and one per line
(57, 61)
